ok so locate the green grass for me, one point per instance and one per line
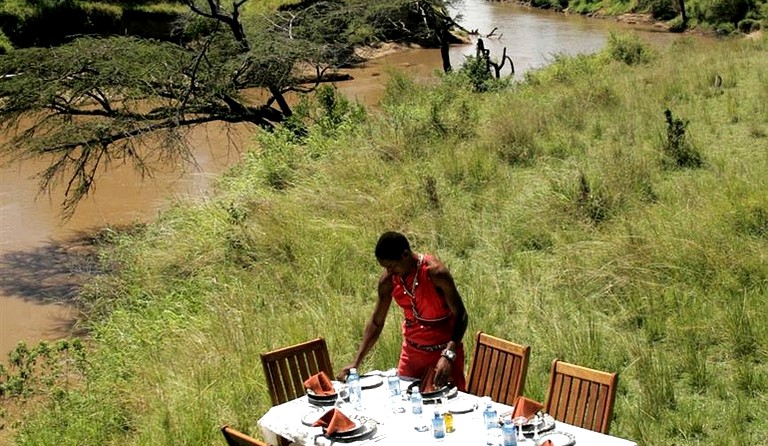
(551, 202)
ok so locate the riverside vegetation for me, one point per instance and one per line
(610, 210)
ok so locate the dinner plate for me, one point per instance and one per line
(447, 393)
(432, 394)
(370, 381)
(313, 415)
(321, 400)
(557, 438)
(461, 405)
(545, 423)
(354, 430)
(366, 429)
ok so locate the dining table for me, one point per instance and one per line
(385, 418)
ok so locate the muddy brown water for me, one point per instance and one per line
(44, 259)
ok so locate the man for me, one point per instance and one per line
(435, 317)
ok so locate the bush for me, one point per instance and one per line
(476, 70)
(5, 45)
(749, 25)
(661, 9)
(678, 150)
(728, 12)
(627, 48)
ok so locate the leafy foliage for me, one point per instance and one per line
(97, 101)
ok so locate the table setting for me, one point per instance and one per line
(324, 416)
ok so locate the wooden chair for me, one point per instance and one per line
(286, 369)
(499, 368)
(581, 396)
(237, 438)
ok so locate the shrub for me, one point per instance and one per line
(728, 11)
(5, 44)
(661, 9)
(749, 25)
(478, 73)
(678, 150)
(627, 48)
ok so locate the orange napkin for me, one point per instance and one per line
(334, 421)
(547, 443)
(320, 384)
(525, 407)
(427, 383)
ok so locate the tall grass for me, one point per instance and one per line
(551, 202)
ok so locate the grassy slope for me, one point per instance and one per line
(549, 202)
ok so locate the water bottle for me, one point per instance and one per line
(355, 392)
(438, 425)
(508, 435)
(417, 402)
(491, 420)
(394, 383)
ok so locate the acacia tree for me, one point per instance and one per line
(97, 101)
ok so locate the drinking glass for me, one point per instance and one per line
(520, 421)
(342, 391)
(536, 421)
(398, 402)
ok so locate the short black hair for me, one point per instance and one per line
(391, 246)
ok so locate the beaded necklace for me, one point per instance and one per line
(412, 294)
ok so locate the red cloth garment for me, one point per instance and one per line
(427, 326)
(414, 363)
(432, 323)
(526, 407)
(319, 384)
(334, 421)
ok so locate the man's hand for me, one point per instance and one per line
(342, 374)
(443, 372)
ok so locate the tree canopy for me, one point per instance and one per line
(95, 100)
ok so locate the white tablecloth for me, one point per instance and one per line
(397, 429)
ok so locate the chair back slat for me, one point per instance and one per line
(499, 368)
(237, 438)
(287, 368)
(581, 396)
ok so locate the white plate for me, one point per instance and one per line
(461, 405)
(313, 415)
(370, 381)
(558, 438)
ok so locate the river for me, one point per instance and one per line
(43, 258)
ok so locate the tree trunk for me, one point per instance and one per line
(444, 50)
(683, 15)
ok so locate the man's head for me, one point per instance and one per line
(394, 253)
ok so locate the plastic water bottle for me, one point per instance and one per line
(508, 435)
(417, 402)
(421, 423)
(438, 425)
(491, 419)
(393, 381)
(355, 392)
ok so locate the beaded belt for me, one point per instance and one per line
(427, 348)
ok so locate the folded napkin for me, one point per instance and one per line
(334, 421)
(320, 384)
(525, 407)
